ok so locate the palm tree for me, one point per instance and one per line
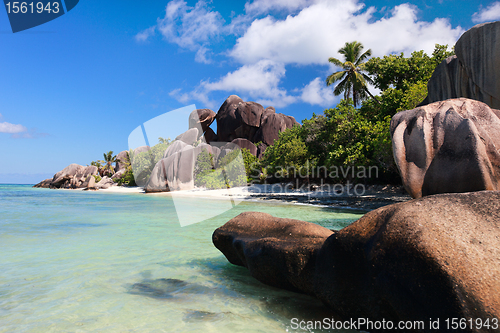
(351, 77)
(109, 159)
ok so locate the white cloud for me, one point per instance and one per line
(201, 55)
(265, 6)
(259, 81)
(11, 128)
(312, 36)
(144, 35)
(313, 31)
(317, 93)
(490, 13)
(189, 27)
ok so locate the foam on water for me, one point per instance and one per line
(75, 261)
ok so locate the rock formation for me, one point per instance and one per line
(447, 147)
(201, 117)
(278, 252)
(122, 159)
(239, 124)
(473, 73)
(73, 176)
(237, 119)
(433, 257)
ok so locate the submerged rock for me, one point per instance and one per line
(278, 252)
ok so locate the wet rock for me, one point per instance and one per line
(278, 252)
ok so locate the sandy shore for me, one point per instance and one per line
(362, 198)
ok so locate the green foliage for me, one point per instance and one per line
(399, 72)
(229, 173)
(97, 178)
(252, 165)
(403, 81)
(97, 164)
(144, 163)
(107, 169)
(164, 141)
(288, 155)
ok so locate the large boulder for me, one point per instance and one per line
(141, 149)
(44, 183)
(67, 174)
(175, 171)
(244, 143)
(105, 183)
(189, 137)
(227, 120)
(272, 125)
(278, 252)
(201, 117)
(174, 147)
(434, 257)
(122, 159)
(249, 114)
(447, 147)
(473, 72)
(429, 258)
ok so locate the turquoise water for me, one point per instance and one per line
(74, 261)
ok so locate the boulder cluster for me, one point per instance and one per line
(248, 123)
(239, 125)
(76, 176)
(451, 146)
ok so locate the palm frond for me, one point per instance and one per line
(337, 76)
(336, 62)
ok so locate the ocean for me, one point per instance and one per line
(75, 261)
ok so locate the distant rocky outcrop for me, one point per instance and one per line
(448, 147)
(240, 124)
(122, 160)
(473, 72)
(434, 257)
(73, 176)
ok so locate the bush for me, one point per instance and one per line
(229, 173)
(144, 163)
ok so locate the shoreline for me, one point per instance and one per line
(373, 197)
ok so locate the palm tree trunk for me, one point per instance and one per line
(373, 97)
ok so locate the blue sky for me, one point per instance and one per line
(77, 86)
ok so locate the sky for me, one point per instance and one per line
(76, 87)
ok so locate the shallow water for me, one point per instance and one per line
(74, 261)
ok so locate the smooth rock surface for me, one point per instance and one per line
(278, 252)
(473, 73)
(447, 147)
(434, 257)
(201, 117)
